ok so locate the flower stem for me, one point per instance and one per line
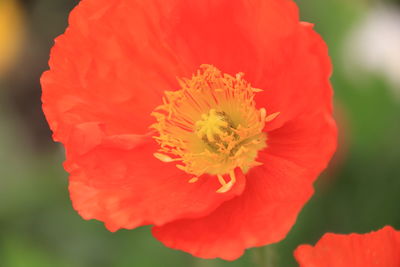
(264, 256)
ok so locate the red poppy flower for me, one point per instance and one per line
(208, 119)
(380, 248)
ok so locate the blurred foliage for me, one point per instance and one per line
(38, 227)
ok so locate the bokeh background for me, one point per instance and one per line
(359, 192)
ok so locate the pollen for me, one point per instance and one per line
(211, 126)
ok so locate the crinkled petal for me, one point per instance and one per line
(117, 180)
(110, 67)
(117, 58)
(375, 249)
(302, 85)
(262, 215)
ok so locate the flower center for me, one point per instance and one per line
(211, 126)
(216, 129)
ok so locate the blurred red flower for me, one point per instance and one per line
(156, 103)
(380, 248)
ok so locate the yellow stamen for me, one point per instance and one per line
(221, 179)
(272, 116)
(163, 158)
(193, 180)
(211, 125)
(227, 186)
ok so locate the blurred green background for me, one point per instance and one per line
(359, 192)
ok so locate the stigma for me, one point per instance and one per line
(211, 126)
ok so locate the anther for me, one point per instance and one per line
(226, 186)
